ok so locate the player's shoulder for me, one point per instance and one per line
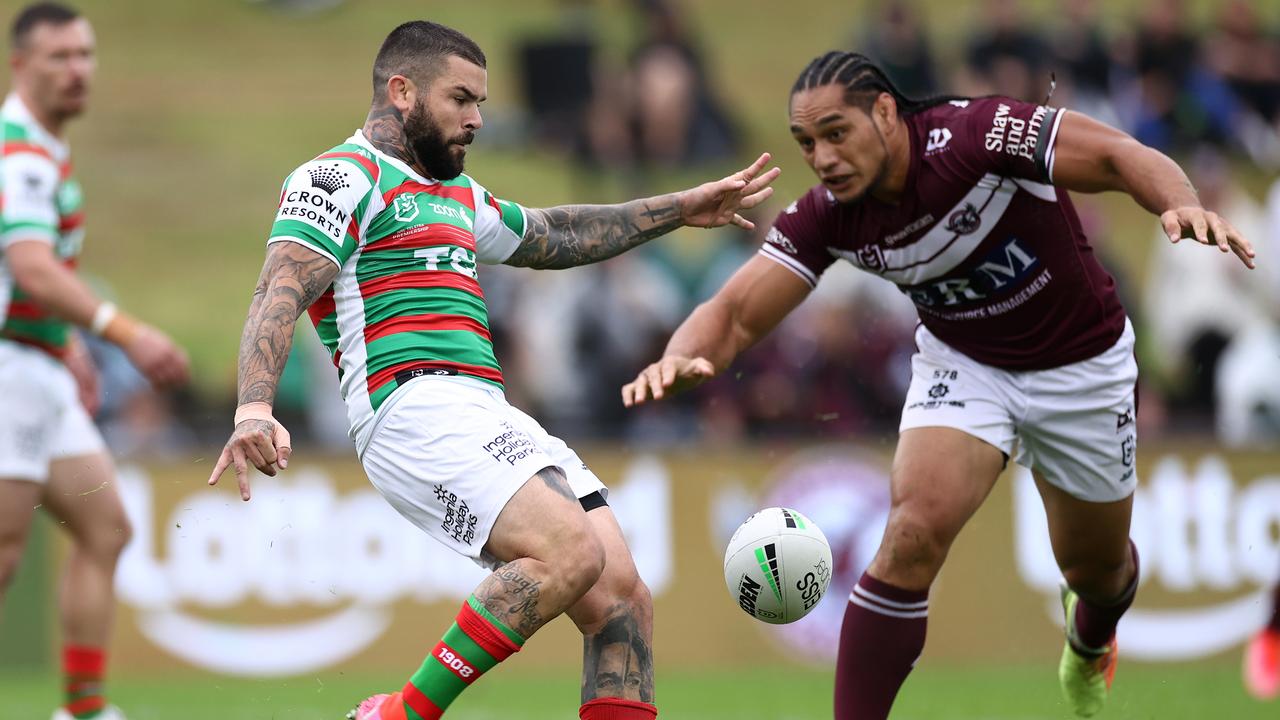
(816, 205)
(806, 220)
(20, 143)
(350, 160)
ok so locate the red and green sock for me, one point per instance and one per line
(476, 643)
(83, 668)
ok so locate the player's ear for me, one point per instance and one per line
(402, 92)
(884, 111)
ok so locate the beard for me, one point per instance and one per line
(433, 151)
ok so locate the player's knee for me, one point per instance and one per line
(581, 562)
(108, 539)
(913, 550)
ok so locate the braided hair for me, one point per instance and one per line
(863, 82)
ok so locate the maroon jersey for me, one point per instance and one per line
(990, 252)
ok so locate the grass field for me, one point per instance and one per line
(786, 693)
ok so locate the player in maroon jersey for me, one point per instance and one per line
(1024, 350)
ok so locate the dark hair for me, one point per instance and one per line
(863, 82)
(417, 48)
(36, 14)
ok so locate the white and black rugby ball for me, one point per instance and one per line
(777, 566)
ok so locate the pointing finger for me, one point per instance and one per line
(242, 472)
(220, 467)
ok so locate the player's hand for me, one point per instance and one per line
(717, 203)
(671, 374)
(263, 442)
(1207, 228)
(80, 364)
(158, 358)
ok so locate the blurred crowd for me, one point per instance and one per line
(1206, 93)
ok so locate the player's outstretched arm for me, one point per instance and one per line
(57, 289)
(571, 235)
(293, 276)
(1090, 156)
(746, 309)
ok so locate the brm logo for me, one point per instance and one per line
(748, 594)
(1001, 270)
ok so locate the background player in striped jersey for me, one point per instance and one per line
(51, 455)
(1024, 350)
(379, 240)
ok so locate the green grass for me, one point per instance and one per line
(1027, 692)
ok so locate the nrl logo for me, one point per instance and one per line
(406, 207)
(871, 257)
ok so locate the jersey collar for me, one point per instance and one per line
(398, 164)
(14, 110)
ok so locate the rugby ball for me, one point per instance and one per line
(777, 566)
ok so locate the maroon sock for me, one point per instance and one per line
(1274, 624)
(1095, 623)
(880, 641)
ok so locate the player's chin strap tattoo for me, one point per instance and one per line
(617, 660)
(292, 278)
(573, 235)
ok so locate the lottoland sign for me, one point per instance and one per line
(1200, 534)
(317, 571)
(336, 562)
(1209, 544)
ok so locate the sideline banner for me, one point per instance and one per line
(318, 572)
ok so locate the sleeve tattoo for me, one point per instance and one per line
(292, 278)
(573, 235)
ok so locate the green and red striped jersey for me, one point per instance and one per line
(406, 296)
(41, 201)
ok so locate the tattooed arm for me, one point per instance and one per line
(572, 235)
(292, 278)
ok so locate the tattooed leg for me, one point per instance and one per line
(552, 557)
(513, 594)
(616, 620)
(617, 660)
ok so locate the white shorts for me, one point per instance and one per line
(1074, 424)
(449, 452)
(41, 418)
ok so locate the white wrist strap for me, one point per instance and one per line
(102, 317)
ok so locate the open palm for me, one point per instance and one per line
(717, 203)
